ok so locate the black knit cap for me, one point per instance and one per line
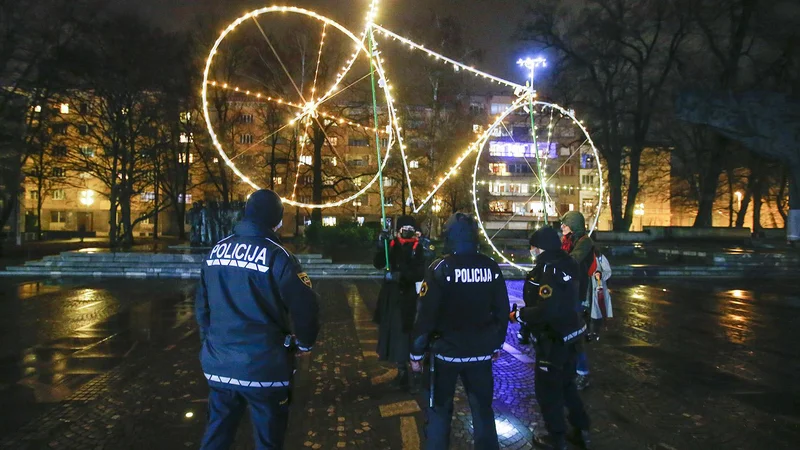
(545, 238)
(264, 208)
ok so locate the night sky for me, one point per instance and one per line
(488, 24)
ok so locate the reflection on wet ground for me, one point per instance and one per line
(715, 358)
(56, 336)
(692, 364)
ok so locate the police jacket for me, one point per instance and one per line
(462, 312)
(252, 295)
(551, 296)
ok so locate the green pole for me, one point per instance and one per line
(542, 182)
(378, 140)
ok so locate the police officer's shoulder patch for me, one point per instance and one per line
(304, 278)
(423, 290)
(545, 291)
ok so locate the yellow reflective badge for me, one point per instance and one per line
(545, 291)
(424, 289)
(304, 278)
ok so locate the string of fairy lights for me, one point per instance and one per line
(366, 46)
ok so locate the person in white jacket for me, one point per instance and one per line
(598, 298)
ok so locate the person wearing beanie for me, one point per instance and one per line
(580, 247)
(551, 298)
(252, 292)
(462, 319)
(397, 300)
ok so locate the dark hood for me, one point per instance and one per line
(460, 234)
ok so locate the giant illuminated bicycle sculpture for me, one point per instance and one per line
(360, 78)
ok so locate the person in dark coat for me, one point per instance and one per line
(551, 299)
(397, 301)
(256, 310)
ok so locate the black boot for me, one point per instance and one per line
(581, 438)
(550, 442)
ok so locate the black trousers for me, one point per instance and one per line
(479, 384)
(269, 413)
(555, 389)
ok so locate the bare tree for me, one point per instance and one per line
(32, 37)
(619, 55)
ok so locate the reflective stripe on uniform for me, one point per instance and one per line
(575, 334)
(235, 382)
(464, 360)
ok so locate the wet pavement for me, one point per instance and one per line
(113, 364)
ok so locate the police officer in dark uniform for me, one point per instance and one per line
(256, 310)
(551, 296)
(462, 317)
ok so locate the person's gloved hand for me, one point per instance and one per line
(416, 366)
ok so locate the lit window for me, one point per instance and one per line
(360, 220)
(186, 116)
(329, 221)
(59, 172)
(414, 164)
(216, 160)
(572, 207)
(59, 194)
(37, 108)
(245, 138)
(278, 180)
(306, 159)
(64, 108)
(388, 181)
(87, 150)
(34, 195)
(334, 140)
(188, 198)
(498, 169)
(148, 196)
(186, 138)
(182, 158)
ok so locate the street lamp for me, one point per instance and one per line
(739, 197)
(531, 64)
(86, 197)
(357, 204)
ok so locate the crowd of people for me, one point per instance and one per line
(439, 321)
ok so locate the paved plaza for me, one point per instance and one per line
(113, 364)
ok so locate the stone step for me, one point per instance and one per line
(132, 264)
(321, 274)
(343, 268)
(163, 257)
